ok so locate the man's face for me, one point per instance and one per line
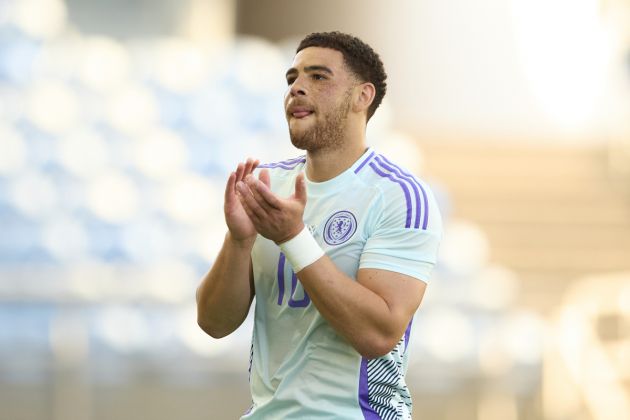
(318, 99)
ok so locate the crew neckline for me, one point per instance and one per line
(318, 188)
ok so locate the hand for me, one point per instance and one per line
(239, 224)
(275, 218)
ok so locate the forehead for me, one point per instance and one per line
(318, 56)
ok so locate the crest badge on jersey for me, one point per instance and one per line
(340, 227)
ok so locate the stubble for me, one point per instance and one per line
(327, 134)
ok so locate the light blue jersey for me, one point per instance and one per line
(373, 215)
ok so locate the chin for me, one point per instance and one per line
(299, 142)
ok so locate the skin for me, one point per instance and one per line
(326, 108)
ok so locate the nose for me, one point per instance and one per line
(297, 88)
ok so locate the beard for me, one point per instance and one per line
(327, 134)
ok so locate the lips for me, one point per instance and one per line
(299, 111)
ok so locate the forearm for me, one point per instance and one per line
(226, 292)
(354, 311)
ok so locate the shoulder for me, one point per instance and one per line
(407, 200)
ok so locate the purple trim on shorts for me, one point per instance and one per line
(407, 334)
(425, 220)
(364, 396)
(356, 171)
(396, 171)
(402, 184)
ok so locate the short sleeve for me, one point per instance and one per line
(395, 247)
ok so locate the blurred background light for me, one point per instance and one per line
(34, 194)
(524, 334)
(494, 360)
(190, 199)
(171, 281)
(465, 247)
(84, 153)
(124, 329)
(249, 53)
(40, 18)
(448, 335)
(160, 153)
(180, 66)
(13, 156)
(105, 63)
(113, 197)
(497, 405)
(53, 107)
(65, 239)
(148, 240)
(132, 108)
(495, 288)
(565, 52)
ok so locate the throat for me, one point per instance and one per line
(323, 165)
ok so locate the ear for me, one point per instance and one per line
(364, 95)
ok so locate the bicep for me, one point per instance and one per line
(401, 293)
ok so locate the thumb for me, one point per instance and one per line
(300, 188)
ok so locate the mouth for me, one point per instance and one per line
(299, 112)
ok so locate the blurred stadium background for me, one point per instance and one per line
(120, 120)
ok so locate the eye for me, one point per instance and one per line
(318, 76)
(290, 80)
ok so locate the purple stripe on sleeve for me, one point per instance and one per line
(425, 220)
(402, 184)
(356, 171)
(364, 396)
(416, 194)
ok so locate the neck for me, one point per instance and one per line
(325, 164)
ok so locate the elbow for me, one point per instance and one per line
(212, 329)
(377, 348)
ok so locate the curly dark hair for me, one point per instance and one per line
(362, 60)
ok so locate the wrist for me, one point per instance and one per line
(242, 243)
(301, 250)
(292, 235)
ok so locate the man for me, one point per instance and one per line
(336, 246)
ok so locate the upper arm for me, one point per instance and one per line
(401, 292)
(401, 251)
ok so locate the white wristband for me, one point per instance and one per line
(302, 250)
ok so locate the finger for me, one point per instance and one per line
(267, 195)
(250, 201)
(300, 188)
(240, 168)
(264, 177)
(250, 165)
(230, 189)
(252, 216)
(252, 183)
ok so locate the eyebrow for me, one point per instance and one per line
(308, 69)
